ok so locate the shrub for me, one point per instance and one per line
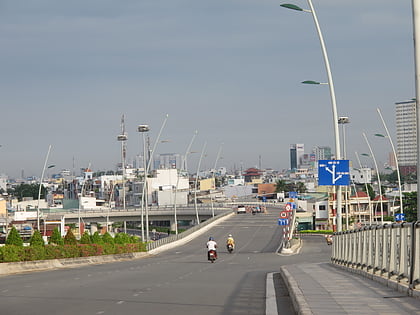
(14, 238)
(86, 250)
(36, 239)
(13, 253)
(107, 238)
(34, 253)
(85, 239)
(122, 238)
(70, 239)
(96, 238)
(56, 237)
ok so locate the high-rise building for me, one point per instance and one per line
(322, 153)
(296, 155)
(167, 161)
(405, 113)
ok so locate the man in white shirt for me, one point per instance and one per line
(211, 245)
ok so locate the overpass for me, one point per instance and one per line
(154, 213)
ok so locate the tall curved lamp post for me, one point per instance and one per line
(395, 158)
(147, 172)
(196, 181)
(379, 177)
(40, 186)
(214, 177)
(332, 95)
(183, 163)
(416, 34)
(143, 129)
(367, 190)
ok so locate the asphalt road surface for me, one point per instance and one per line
(177, 281)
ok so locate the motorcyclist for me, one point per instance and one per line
(230, 241)
(211, 245)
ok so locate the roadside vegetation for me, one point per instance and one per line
(67, 247)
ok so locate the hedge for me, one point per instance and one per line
(13, 253)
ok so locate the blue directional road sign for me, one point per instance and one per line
(333, 172)
(283, 221)
(293, 194)
(399, 217)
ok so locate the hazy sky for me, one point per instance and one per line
(230, 69)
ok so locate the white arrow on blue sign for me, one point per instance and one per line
(283, 221)
(333, 172)
(399, 217)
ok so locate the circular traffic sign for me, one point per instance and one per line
(288, 207)
(283, 214)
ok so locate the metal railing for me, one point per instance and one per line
(389, 251)
(175, 237)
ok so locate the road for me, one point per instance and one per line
(177, 281)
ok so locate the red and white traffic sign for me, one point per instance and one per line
(288, 207)
(283, 214)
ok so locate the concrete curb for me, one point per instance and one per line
(300, 304)
(41, 265)
(270, 295)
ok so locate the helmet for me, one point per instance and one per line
(230, 235)
(211, 238)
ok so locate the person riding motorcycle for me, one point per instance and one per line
(211, 245)
(230, 241)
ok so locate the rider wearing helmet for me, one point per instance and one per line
(211, 245)
(230, 241)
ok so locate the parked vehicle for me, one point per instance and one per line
(241, 209)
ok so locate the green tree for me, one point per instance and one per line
(27, 190)
(14, 238)
(410, 206)
(36, 239)
(370, 191)
(281, 186)
(70, 239)
(85, 239)
(56, 237)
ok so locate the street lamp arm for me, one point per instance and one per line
(294, 7)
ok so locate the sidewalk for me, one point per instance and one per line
(322, 289)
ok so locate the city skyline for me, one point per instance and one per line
(230, 70)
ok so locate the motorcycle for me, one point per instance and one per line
(212, 255)
(329, 240)
(229, 248)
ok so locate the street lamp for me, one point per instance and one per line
(183, 163)
(367, 190)
(214, 177)
(196, 181)
(416, 34)
(143, 129)
(379, 177)
(395, 158)
(147, 172)
(332, 95)
(40, 185)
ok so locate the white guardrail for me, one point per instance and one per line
(388, 253)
